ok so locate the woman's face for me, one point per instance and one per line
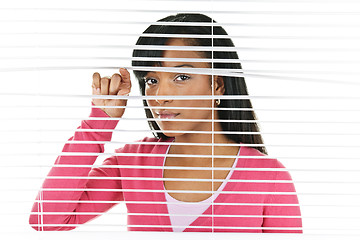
(180, 84)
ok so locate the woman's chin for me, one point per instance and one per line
(168, 133)
(168, 127)
(177, 132)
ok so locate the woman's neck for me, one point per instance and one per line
(206, 149)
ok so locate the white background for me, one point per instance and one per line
(302, 49)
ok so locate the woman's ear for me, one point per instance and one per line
(219, 87)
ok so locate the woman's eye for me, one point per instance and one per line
(150, 81)
(182, 77)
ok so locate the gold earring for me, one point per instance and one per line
(217, 102)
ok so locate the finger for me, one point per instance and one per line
(104, 89)
(96, 80)
(123, 92)
(125, 76)
(95, 91)
(114, 84)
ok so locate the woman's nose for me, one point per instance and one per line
(163, 90)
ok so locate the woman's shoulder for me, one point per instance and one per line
(255, 158)
(252, 158)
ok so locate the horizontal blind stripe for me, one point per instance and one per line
(241, 60)
(188, 97)
(167, 226)
(184, 191)
(179, 120)
(162, 203)
(214, 203)
(171, 11)
(113, 234)
(242, 72)
(187, 48)
(343, 109)
(155, 202)
(188, 215)
(261, 1)
(257, 25)
(243, 24)
(287, 37)
(182, 215)
(164, 214)
(197, 132)
(183, 168)
(181, 144)
(272, 1)
(200, 227)
(180, 156)
(219, 204)
(179, 131)
(180, 179)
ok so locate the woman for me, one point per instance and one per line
(179, 185)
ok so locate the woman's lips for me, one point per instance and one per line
(167, 114)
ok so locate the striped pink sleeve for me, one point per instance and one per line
(64, 192)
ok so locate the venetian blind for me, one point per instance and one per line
(299, 60)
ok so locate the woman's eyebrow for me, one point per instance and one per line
(178, 66)
(185, 65)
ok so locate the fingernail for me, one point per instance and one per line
(98, 90)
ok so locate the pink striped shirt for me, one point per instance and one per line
(242, 206)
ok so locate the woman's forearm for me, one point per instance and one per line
(61, 196)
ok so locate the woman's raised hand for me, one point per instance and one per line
(118, 84)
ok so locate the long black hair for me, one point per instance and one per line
(232, 85)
